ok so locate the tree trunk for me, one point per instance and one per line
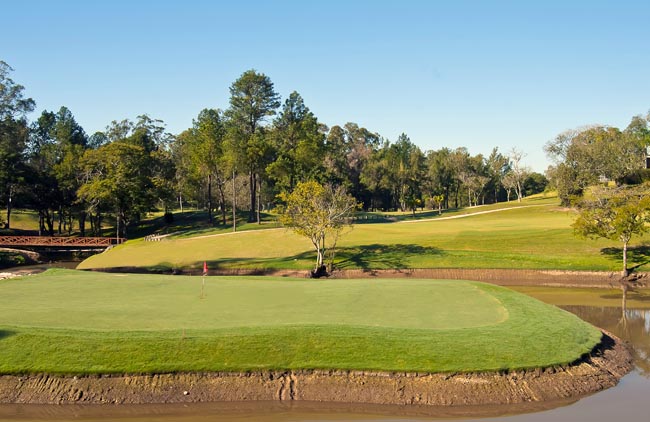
(234, 204)
(210, 198)
(625, 272)
(41, 223)
(60, 220)
(9, 194)
(117, 226)
(252, 179)
(222, 203)
(49, 220)
(446, 197)
(259, 201)
(82, 223)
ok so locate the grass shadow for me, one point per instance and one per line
(638, 256)
(379, 256)
(6, 333)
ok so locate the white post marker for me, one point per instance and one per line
(205, 272)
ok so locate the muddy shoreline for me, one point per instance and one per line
(601, 369)
(502, 277)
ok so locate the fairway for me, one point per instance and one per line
(65, 321)
(536, 234)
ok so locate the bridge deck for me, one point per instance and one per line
(9, 241)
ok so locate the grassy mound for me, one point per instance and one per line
(74, 322)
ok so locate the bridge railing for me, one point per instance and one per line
(58, 241)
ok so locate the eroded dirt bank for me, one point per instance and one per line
(603, 368)
(502, 277)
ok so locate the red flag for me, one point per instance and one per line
(205, 268)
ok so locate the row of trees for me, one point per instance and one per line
(244, 157)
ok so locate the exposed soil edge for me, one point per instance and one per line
(502, 277)
(603, 368)
(18, 257)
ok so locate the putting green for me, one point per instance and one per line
(119, 302)
(65, 321)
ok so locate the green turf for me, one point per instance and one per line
(64, 321)
(535, 234)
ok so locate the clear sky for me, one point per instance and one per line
(477, 74)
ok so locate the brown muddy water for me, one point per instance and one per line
(629, 401)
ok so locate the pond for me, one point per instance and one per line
(627, 401)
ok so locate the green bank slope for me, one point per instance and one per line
(66, 321)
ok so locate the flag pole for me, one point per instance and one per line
(205, 272)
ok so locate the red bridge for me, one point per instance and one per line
(59, 241)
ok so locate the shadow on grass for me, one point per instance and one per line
(365, 257)
(6, 333)
(638, 256)
(378, 256)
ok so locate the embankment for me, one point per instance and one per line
(602, 369)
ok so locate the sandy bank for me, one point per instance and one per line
(602, 369)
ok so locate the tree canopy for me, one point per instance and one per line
(242, 158)
(617, 213)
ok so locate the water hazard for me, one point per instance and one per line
(628, 401)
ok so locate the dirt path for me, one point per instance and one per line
(472, 214)
(602, 369)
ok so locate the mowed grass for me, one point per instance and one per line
(535, 234)
(74, 322)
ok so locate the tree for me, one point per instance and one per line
(14, 135)
(441, 176)
(118, 179)
(252, 99)
(535, 183)
(586, 155)
(616, 214)
(130, 175)
(518, 172)
(299, 145)
(201, 151)
(497, 166)
(317, 212)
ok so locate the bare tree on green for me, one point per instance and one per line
(615, 214)
(319, 213)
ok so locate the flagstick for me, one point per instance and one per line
(203, 286)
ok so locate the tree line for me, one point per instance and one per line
(594, 155)
(245, 158)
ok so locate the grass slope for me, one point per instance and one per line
(533, 235)
(73, 322)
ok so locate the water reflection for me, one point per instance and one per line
(633, 327)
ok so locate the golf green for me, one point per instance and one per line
(65, 321)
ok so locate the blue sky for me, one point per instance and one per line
(477, 74)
